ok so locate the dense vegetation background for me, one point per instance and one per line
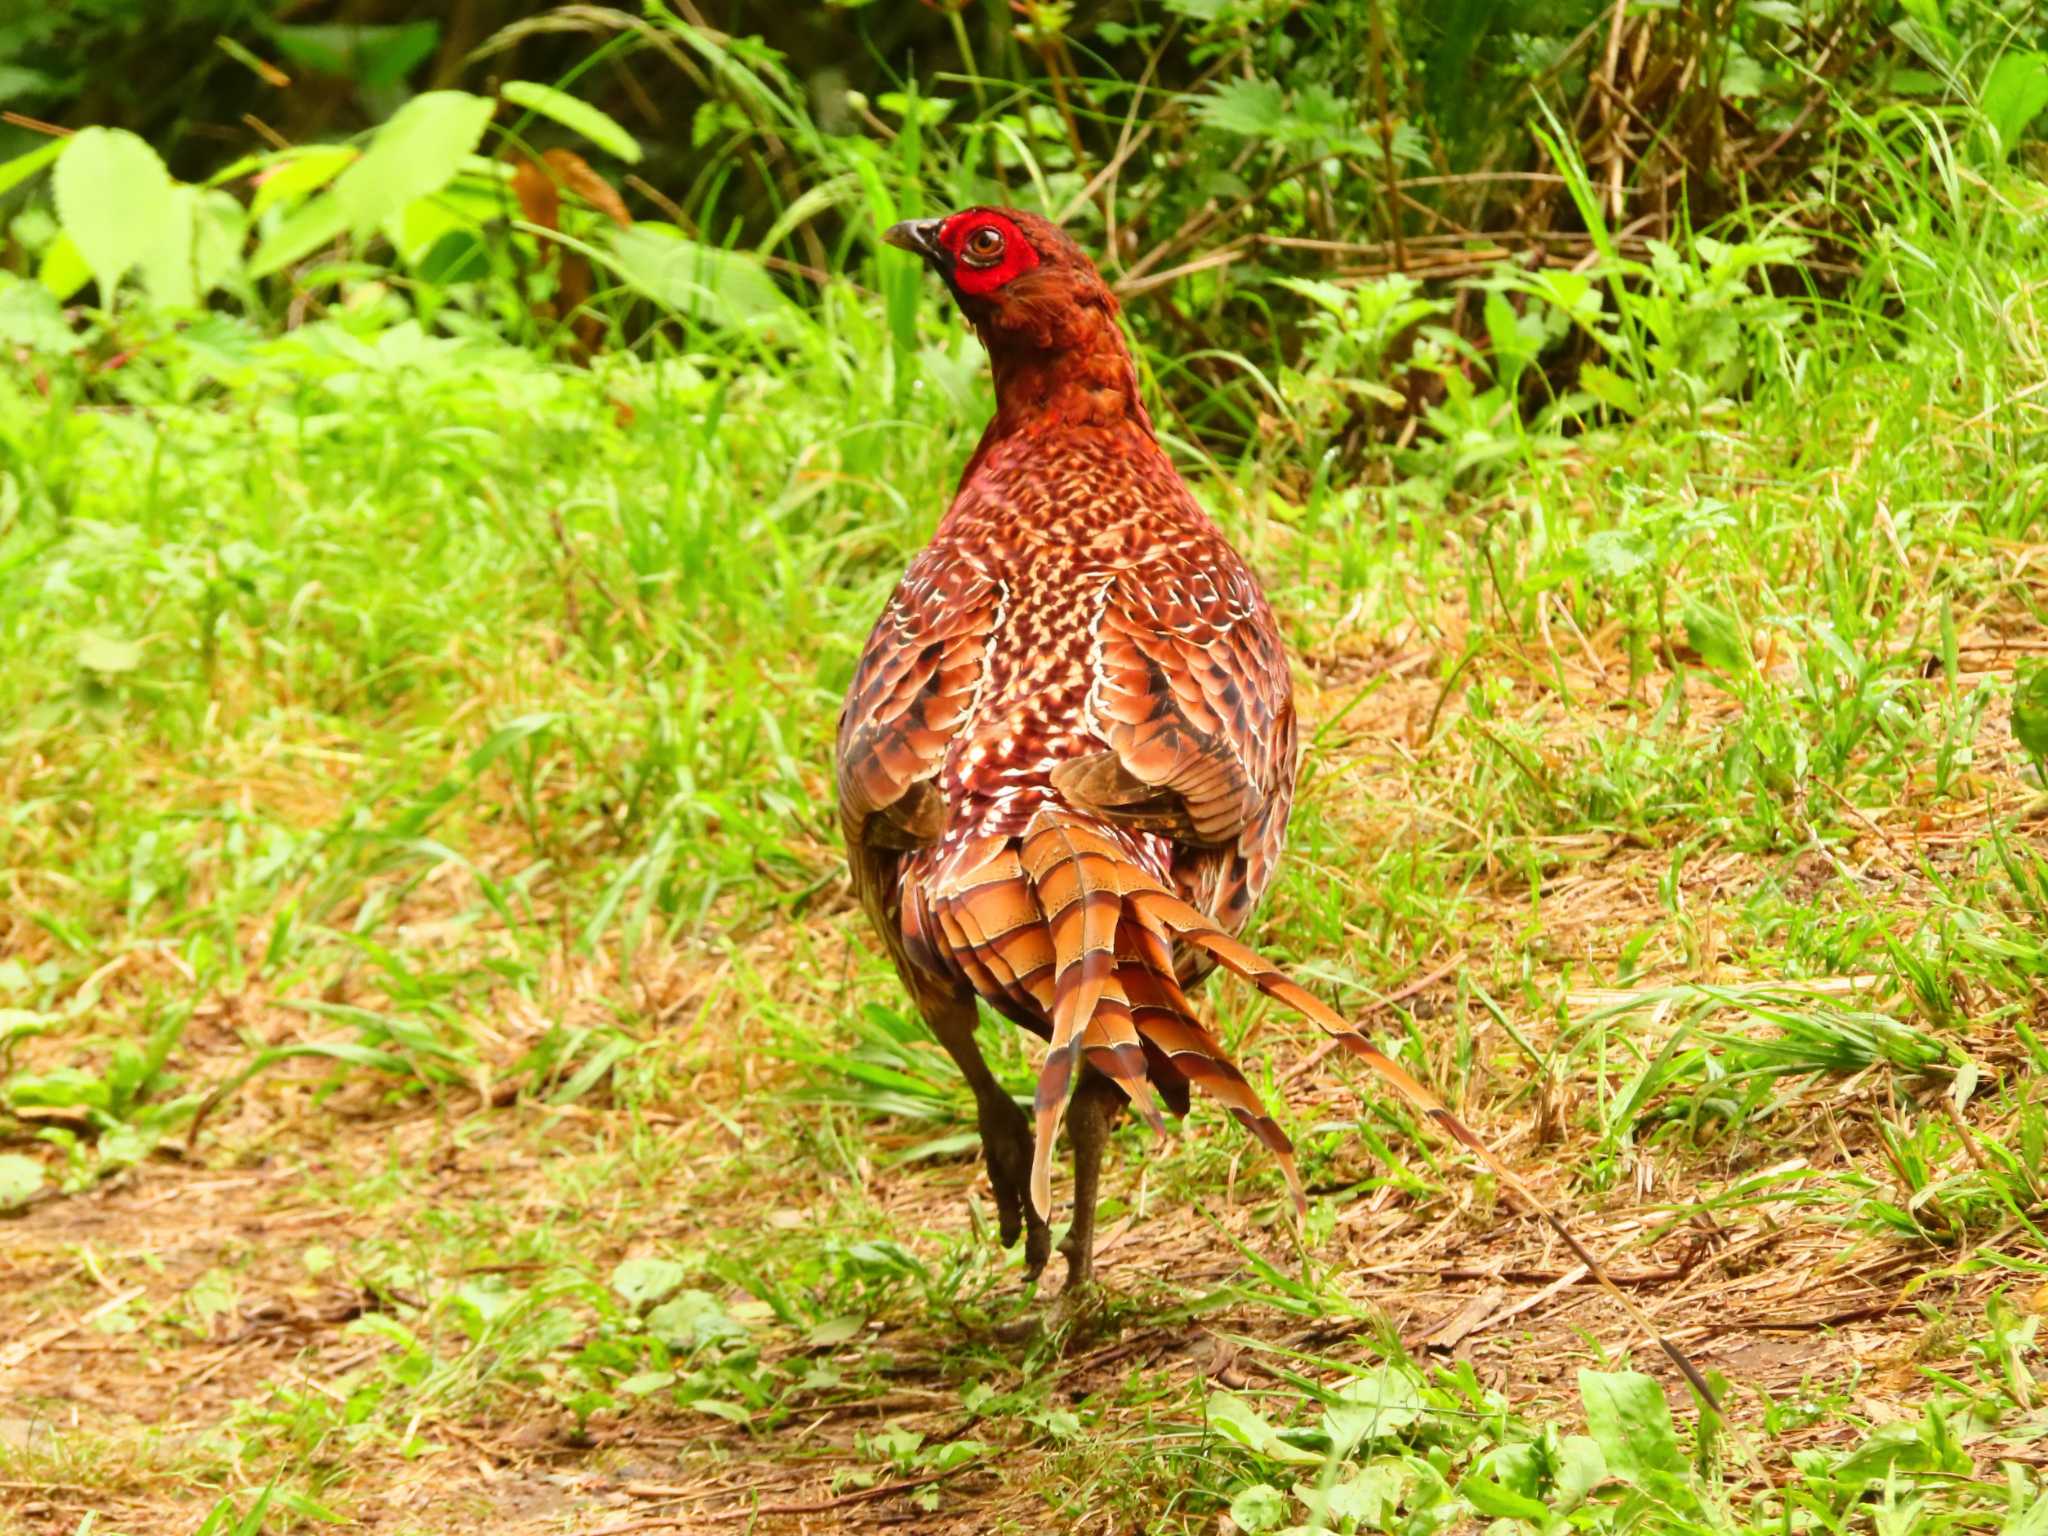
(449, 458)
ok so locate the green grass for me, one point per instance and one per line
(430, 996)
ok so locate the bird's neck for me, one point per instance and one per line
(1074, 372)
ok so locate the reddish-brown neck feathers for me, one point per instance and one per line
(1085, 379)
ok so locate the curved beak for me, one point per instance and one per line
(920, 237)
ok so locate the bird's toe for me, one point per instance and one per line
(1037, 1246)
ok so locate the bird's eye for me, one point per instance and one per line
(984, 248)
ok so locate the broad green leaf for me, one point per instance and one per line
(463, 207)
(220, 225)
(953, 1453)
(1382, 1402)
(731, 1412)
(579, 117)
(114, 201)
(307, 228)
(14, 172)
(307, 171)
(2015, 93)
(417, 152)
(1611, 389)
(1630, 1421)
(1716, 635)
(214, 1294)
(457, 257)
(928, 110)
(1368, 1498)
(1516, 339)
(1252, 109)
(20, 1178)
(167, 265)
(704, 282)
(1238, 1420)
(17, 80)
(1499, 1501)
(836, 1330)
(1888, 1449)
(693, 1319)
(1580, 1469)
(640, 1281)
(417, 227)
(1259, 1508)
(63, 1088)
(1741, 75)
(1615, 554)
(1518, 1467)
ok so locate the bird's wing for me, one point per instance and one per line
(1193, 697)
(915, 684)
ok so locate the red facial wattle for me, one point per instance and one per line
(1017, 256)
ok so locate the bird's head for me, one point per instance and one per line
(1017, 277)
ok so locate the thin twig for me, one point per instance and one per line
(818, 1507)
(35, 125)
(265, 132)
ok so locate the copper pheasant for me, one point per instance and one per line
(1067, 757)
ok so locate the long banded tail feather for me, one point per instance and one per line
(1198, 1056)
(1078, 889)
(1110, 1043)
(1187, 923)
(1167, 1019)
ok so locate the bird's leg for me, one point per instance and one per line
(1091, 1114)
(1005, 1133)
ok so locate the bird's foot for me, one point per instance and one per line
(1006, 1142)
(1081, 1309)
(1080, 1313)
(1078, 1249)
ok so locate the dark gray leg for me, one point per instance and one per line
(1005, 1133)
(1091, 1115)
